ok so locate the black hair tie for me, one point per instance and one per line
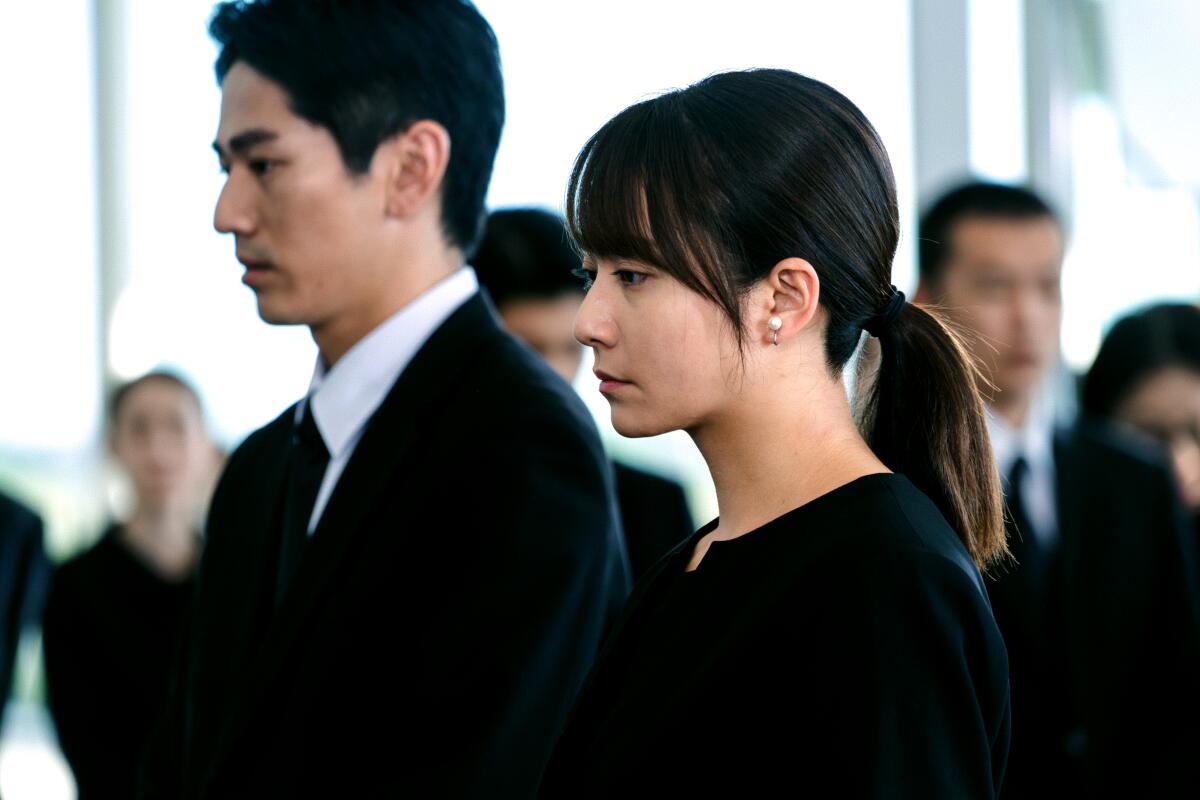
(879, 324)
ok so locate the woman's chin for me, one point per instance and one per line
(637, 426)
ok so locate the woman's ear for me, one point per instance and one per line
(787, 301)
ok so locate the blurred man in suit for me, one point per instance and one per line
(528, 267)
(1100, 611)
(407, 573)
(24, 578)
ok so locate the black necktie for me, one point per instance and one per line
(1022, 540)
(306, 470)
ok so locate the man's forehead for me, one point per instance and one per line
(251, 104)
(1021, 239)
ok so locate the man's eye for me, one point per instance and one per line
(260, 166)
(588, 276)
(1156, 432)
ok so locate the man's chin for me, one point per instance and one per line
(273, 315)
(1018, 386)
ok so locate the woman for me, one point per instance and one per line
(114, 611)
(829, 634)
(1146, 378)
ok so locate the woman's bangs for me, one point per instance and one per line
(606, 197)
(642, 190)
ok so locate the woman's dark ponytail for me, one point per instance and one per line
(923, 416)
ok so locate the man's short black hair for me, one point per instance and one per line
(367, 69)
(526, 254)
(975, 199)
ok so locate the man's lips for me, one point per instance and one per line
(256, 269)
(1022, 359)
(250, 262)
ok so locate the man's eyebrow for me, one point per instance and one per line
(245, 140)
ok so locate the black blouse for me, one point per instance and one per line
(845, 649)
(109, 634)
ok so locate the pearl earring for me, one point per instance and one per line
(775, 323)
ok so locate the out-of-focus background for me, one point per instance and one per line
(111, 266)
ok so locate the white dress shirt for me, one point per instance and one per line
(345, 397)
(1035, 442)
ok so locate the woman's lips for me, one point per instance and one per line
(608, 383)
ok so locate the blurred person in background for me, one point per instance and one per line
(406, 575)
(529, 268)
(1146, 378)
(115, 611)
(1099, 610)
(24, 574)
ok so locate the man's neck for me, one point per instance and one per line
(1014, 410)
(335, 337)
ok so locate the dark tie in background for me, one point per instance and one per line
(309, 458)
(1024, 544)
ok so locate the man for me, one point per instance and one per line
(406, 574)
(24, 578)
(527, 265)
(1099, 611)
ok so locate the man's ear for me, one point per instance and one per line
(413, 163)
(925, 294)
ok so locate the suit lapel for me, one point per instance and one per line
(378, 458)
(269, 517)
(1073, 589)
(1067, 472)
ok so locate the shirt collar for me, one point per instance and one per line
(345, 397)
(1033, 440)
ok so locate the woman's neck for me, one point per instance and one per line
(770, 455)
(165, 537)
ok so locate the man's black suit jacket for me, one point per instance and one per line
(444, 613)
(1104, 652)
(24, 578)
(654, 515)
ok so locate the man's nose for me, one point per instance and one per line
(234, 212)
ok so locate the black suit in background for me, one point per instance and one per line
(24, 575)
(1105, 647)
(654, 515)
(442, 617)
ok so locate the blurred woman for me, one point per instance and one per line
(1146, 378)
(829, 634)
(114, 611)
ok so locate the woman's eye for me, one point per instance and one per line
(630, 278)
(588, 276)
